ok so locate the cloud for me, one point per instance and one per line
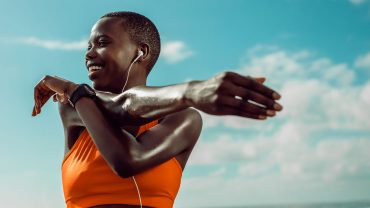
(269, 190)
(319, 141)
(175, 51)
(54, 44)
(277, 168)
(357, 2)
(315, 90)
(363, 61)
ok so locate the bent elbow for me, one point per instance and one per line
(124, 174)
(124, 169)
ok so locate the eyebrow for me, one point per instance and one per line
(99, 36)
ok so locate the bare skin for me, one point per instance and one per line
(114, 117)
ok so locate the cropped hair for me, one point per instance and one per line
(141, 30)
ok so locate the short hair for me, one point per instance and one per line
(141, 30)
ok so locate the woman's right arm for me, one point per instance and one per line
(215, 96)
(228, 93)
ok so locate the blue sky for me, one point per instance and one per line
(315, 53)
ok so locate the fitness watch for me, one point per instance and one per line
(83, 90)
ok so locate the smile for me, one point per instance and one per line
(94, 68)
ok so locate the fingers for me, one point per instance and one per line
(226, 110)
(36, 110)
(248, 82)
(33, 111)
(246, 108)
(253, 97)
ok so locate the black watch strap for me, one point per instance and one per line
(83, 90)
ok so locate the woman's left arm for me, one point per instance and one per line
(127, 155)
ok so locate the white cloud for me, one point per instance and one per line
(357, 2)
(175, 51)
(365, 94)
(225, 149)
(363, 61)
(297, 148)
(218, 192)
(314, 91)
(54, 44)
(276, 168)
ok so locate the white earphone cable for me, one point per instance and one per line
(138, 191)
(128, 74)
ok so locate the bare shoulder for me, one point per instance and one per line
(191, 118)
(188, 115)
(194, 123)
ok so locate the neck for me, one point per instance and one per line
(134, 83)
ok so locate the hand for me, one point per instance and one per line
(217, 96)
(49, 86)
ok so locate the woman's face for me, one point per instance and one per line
(109, 54)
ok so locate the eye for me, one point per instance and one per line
(103, 43)
(88, 47)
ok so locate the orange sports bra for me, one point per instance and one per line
(89, 181)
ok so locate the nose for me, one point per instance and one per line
(90, 53)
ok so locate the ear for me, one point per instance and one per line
(146, 51)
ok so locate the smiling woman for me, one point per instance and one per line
(127, 144)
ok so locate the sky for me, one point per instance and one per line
(316, 54)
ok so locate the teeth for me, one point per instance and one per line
(94, 68)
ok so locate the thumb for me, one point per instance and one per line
(260, 79)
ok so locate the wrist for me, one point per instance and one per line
(71, 87)
(188, 95)
(82, 90)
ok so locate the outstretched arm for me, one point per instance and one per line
(228, 93)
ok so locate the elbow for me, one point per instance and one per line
(124, 173)
(124, 169)
(195, 121)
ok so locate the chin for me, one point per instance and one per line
(97, 86)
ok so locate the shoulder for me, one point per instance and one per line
(193, 116)
(188, 117)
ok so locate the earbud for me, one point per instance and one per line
(140, 54)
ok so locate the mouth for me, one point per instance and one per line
(94, 70)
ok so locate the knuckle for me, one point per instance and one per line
(221, 86)
(225, 75)
(216, 100)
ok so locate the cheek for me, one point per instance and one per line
(122, 57)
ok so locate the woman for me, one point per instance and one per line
(126, 143)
